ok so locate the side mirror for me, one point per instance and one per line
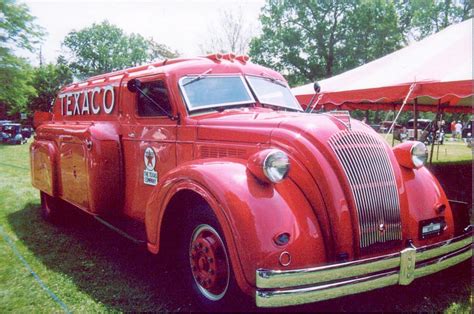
(133, 85)
(317, 87)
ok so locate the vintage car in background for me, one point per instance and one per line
(11, 133)
(385, 126)
(426, 130)
(213, 162)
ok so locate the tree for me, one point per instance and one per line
(18, 30)
(104, 47)
(15, 79)
(309, 39)
(420, 18)
(17, 27)
(315, 39)
(232, 33)
(47, 81)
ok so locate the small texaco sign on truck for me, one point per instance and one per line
(213, 159)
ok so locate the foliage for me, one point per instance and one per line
(309, 40)
(15, 82)
(420, 18)
(231, 33)
(17, 27)
(104, 47)
(47, 80)
(17, 30)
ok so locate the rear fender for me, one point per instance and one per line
(44, 167)
(251, 213)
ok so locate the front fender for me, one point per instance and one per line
(250, 212)
(424, 193)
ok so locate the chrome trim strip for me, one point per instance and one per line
(373, 186)
(299, 277)
(306, 295)
(332, 281)
(442, 248)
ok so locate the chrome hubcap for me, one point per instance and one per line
(209, 263)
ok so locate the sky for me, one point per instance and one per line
(181, 25)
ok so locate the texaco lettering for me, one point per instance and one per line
(88, 101)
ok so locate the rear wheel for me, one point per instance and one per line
(50, 208)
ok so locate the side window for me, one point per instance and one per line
(157, 91)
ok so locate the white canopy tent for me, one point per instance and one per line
(435, 72)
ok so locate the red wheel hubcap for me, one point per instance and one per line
(209, 264)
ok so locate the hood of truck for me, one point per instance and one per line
(345, 163)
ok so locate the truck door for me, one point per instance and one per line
(149, 143)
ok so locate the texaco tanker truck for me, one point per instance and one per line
(212, 161)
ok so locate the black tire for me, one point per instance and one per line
(223, 294)
(51, 208)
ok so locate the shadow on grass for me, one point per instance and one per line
(124, 277)
(111, 269)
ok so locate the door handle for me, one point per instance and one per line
(131, 134)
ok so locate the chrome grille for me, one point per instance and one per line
(373, 186)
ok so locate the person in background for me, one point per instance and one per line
(458, 130)
(453, 130)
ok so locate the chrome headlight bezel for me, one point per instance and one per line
(276, 165)
(419, 154)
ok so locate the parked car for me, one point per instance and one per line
(385, 126)
(422, 125)
(11, 134)
(426, 130)
(26, 131)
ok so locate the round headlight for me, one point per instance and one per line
(419, 154)
(276, 165)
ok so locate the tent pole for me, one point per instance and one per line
(393, 137)
(412, 86)
(440, 126)
(415, 119)
(434, 136)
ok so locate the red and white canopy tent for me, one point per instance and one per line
(435, 73)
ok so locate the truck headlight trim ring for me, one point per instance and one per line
(276, 165)
(419, 154)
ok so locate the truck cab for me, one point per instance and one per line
(213, 158)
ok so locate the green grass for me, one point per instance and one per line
(449, 152)
(92, 269)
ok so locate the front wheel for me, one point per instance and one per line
(206, 263)
(209, 262)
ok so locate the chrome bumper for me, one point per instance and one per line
(290, 287)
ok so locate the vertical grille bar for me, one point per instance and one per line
(373, 186)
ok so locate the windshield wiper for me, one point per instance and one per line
(197, 78)
(273, 80)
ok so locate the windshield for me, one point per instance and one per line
(11, 129)
(201, 92)
(272, 92)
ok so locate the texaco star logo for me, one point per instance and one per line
(149, 158)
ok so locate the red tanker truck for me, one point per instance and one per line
(214, 162)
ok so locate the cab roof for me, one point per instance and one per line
(219, 64)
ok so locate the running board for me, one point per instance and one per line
(128, 235)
